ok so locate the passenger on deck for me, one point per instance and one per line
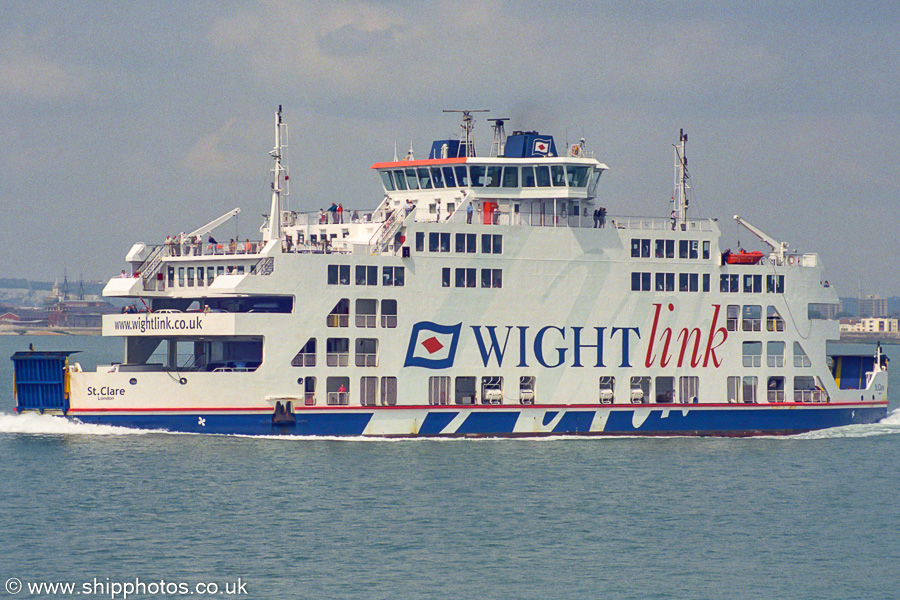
(355, 217)
(601, 212)
(340, 213)
(469, 210)
(333, 210)
(248, 247)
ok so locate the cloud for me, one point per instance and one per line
(26, 74)
(210, 157)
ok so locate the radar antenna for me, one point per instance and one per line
(468, 125)
(498, 146)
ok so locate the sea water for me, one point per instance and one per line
(103, 508)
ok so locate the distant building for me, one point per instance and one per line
(827, 311)
(870, 325)
(873, 306)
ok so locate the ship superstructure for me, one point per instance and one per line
(484, 295)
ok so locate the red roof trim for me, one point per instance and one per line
(419, 163)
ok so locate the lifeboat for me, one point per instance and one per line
(743, 258)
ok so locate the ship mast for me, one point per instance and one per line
(468, 126)
(279, 181)
(680, 200)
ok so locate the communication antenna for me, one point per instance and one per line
(468, 125)
(680, 201)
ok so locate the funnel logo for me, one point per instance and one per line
(432, 346)
(541, 147)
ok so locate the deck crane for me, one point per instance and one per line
(777, 246)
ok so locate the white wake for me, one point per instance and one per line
(888, 426)
(37, 424)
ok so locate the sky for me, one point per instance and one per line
(129, 121)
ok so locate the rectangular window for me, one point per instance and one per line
(558, 175)
(449, 177)
(389, 313)
(366, 352)
(465, 278)
(693, 282)
(645, 248)
(670, 248)
(434, 242)
(752, 318)
(465, 243)
(393, 276)
(462, 176)
(775, 284)
(527, 176)
(749, 386)
(706, 282)
(338, 274)
(752, 284)
(366, 310)
(181, 276)
(542, 175)
(439, 390)
(366, 275)
(706, 250)
(752, 354)
(670, 282)
(368, 388)
(682, 249)
(660, 249)
(389, 391)
(689, 389)
(420, 241)
(635, 248)
(388, 180)
(491, 278)
(400, 179)
(337, 352)
(491, 243)
(437, 177)
(775, 354)
(636, 282)
(665, 390)
(190, 276)
(477, 173)
(510, 177)
(445, 277)
(693, 252)
(201, 277)
(734, 390)
(682, 282)
(493, 177)
(732, 315)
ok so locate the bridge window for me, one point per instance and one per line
(306, 357)
(337, 352)
(462, 176)
(527, 176)
(388, 180)
(424, 178)
(439, 390)
(400, 179)
(493, 177)
(558, 174)
(449, 177)
(542, 175)
(510, 177)
(477, 173)
(578, 176)
(412, 179)
(437, 177)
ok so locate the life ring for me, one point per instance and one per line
(575, 150)
(791, 260)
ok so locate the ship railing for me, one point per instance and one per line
(776, 395)
(366, 320)
(338, 320)
(811, 396)
(586, 221)
(388, 321)
(264, 266)
(304, 360)
(338, 398)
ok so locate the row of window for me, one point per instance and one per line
(496, 176)
(690, 249)
(465, 243)
(200, 276)
(664, 389)
(806, 389)
(366, 275)
(366, 313)
(753, 284)
(751, 353)
(466, 277)
(750, 318)
(665, 282)
(337, 353)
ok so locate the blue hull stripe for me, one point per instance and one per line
(638, 421)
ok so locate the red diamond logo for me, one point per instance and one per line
(432, 345)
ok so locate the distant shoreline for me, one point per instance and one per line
(6, 329)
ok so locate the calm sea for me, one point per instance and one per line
(809, 517)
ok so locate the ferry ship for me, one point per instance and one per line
(485, 295)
